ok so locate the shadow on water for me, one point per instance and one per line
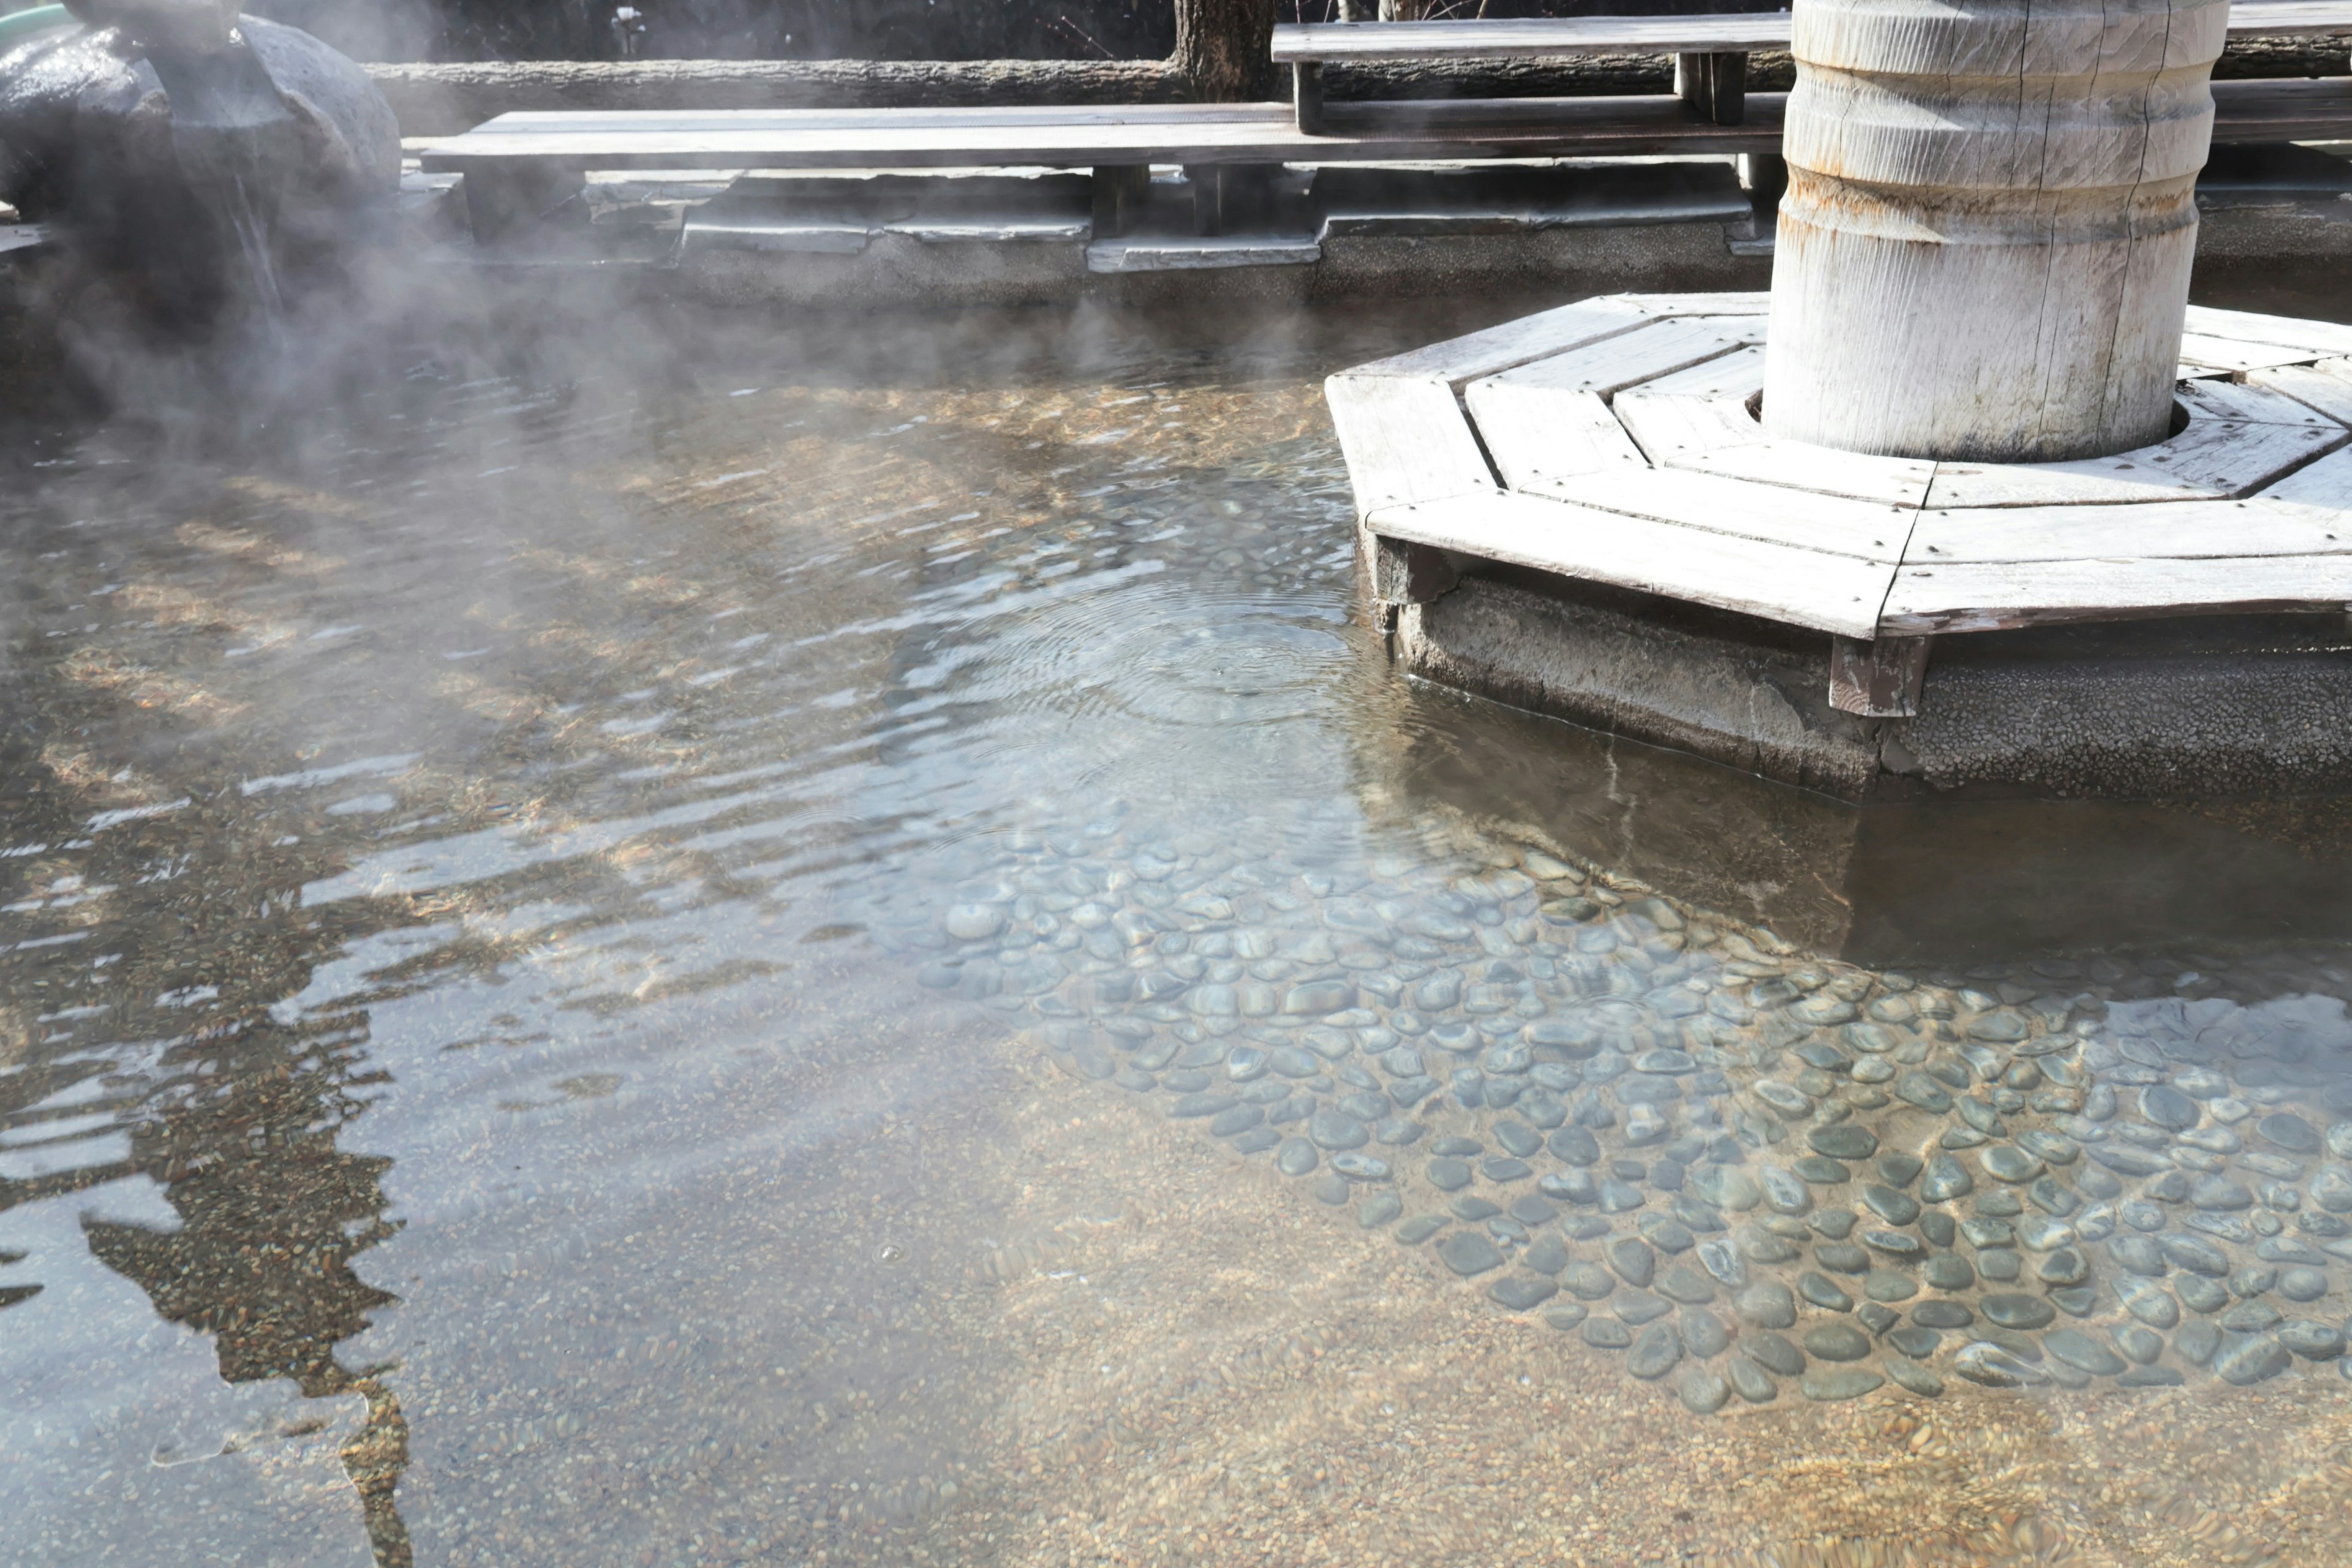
(1910, 883)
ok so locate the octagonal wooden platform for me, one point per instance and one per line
(1615, 440)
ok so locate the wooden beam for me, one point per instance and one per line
(1714, 86)
(1119, 193)
(1879, 678)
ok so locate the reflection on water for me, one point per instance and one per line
(769, 963)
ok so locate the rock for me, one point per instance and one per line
(1818, 1289)
(1894, 1207)
(2079, 1349)
(1946, 1178)
(1821, 1172)
(2000, 1264)
(1376, 1212)
(2302, 1284)
(1773, 1352)
(1876, 1318)
(1914, 1378)
(1656, 1352)
(2197, 1341)
(1685, 1284)
(2138, 1343)
(1917, 1342)
(1332, 1189)
(2248, 1359)
(2251, 1318)
(1419, 1228)
(1607, 1333)
(2216, 1193)
(1297, 1157)
(1638, 1307)
(2200, 1294)
(2010, 1310)
(1521, 1292)
(1949, 1271)
(1837, 1341)
(1842, 1141)
(2151, 1304)
(1468, 1252)
(1703, 1392)
(1704, 1333)
(1446, 1175)
(2150, 1377)
(2066, 1266)
(1361, 1167)
(1842, 1257)
(1942, 1315)
(2127, 1162)
(2312, 1341)
(1783, 1192)
(2198, 1257)
(1768, 1304)
(1722, 1260)
(2290, 1133)
(2168, 1108)
(1634, 1261)
(1750, 1382)
(974, 922)
(2008, 1163)
(2137, 1255)
(1826, 1384)
(1994, 1367)
(1318, 998)
(1588, 1280)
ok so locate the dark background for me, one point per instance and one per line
(814, 29)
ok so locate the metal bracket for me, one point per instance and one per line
(1877, 680)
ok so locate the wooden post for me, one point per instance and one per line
(1121, 190)
(1983, 252)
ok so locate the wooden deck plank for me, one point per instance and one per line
(2181, 530)
(1405, 439)
(2204, 352)
(2000, 596)
(1744, 303)
(1513, 344)
(1655, 349)
(1379, 43)
(1737, 377)
(1800, 465)
(2326, 385)
(2327, 484)
(2253, 327)
(1712, 504)
(1839, 593)
(1534, 433)
(1670, 427)
(2235, 401)
(2212, 458)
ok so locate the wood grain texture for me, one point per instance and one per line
(2212, 458)
(1668, 427)
(2318, 338)
(1707, 503)
(1656, 348)
(2325, 386)
(2181, 531)
(1515, 342)
(1984, 250)
(1861, 476)
(1405, 439)
(2000, 597)
(1535, 433)
(1838, 593)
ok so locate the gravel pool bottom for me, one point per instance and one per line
(847, 954)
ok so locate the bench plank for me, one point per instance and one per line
(1838, 593)
(1469, 129)
(1393, 43)
(1405, 439)
(2005, 595)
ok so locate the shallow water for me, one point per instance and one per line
(848, 953)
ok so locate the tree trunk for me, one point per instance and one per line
(1984, 245)
(1223, 48)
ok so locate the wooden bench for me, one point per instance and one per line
(522, 165)
(1710, 52)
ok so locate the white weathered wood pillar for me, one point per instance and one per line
(1984, 249)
